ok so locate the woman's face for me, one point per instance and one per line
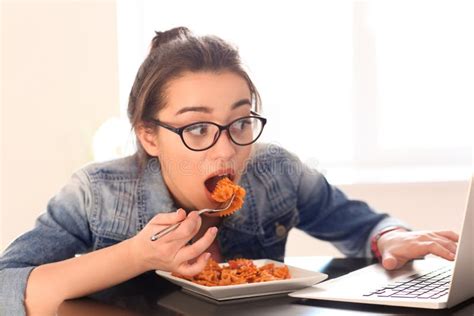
(201, 96)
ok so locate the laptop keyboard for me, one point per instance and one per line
(432, 285)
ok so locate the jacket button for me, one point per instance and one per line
(280, 230)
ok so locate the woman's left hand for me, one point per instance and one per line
(400, 246)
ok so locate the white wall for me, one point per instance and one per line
(59, 83)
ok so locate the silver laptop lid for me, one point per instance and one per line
(462, 283)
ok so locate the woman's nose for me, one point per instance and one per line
(224, 147)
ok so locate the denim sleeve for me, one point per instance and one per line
(328, 214)
(59, 233)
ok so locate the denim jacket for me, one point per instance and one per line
(105, 203)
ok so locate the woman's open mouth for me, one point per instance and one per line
(211, 182)
(220, 188)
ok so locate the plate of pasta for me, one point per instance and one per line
(242, 278)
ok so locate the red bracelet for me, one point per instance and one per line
(374, 242)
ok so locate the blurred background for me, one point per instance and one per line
(377, 95)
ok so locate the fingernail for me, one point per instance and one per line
(452, 255)
(213, 230)
(207, 255)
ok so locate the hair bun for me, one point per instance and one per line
(167, 36)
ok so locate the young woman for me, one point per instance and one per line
(195, 113)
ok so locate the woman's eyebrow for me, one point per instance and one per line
(240, 103)
(207, 110)
(203, 109)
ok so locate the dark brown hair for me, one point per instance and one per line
(172, 53)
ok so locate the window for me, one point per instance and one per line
(425, 75)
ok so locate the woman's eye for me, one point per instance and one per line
(197, 130)
(243, 124)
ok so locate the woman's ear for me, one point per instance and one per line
(149, 140)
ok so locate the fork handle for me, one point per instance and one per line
(169, 229)
(206, 210)
(164, 232)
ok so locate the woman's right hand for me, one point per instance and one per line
(171, 252)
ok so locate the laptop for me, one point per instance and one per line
(425, 283)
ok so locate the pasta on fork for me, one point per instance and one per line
(224, 190)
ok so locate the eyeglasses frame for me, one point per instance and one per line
(180, 130)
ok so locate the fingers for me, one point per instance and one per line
(189, 227)
(446, 243)
(448, 234)
(185, 231)
(402, 247)
(196, 267)
(432, 247)
(446, 239)
(168, 218)
(197, 248)
(389, 261)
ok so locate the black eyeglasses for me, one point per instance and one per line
(200, 136)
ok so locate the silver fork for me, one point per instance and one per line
(169, 229)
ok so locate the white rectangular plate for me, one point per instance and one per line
(300, 278)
